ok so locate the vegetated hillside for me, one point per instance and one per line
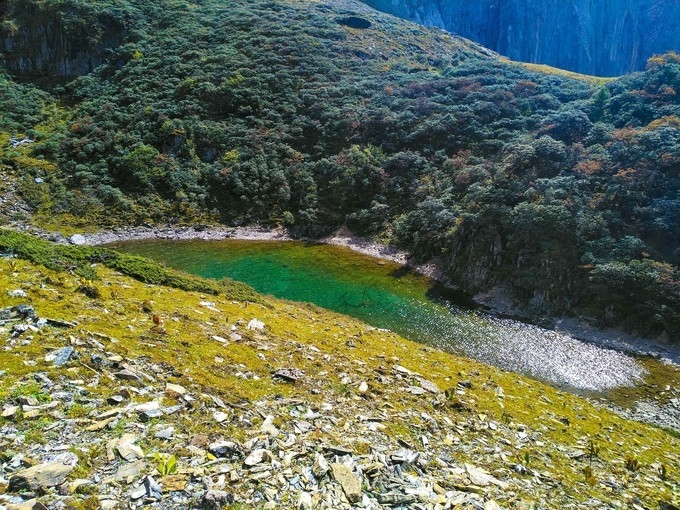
(605, 38)
(183, 393)
(558, 194)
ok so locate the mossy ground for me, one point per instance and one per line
(660, 377)
(329, 348)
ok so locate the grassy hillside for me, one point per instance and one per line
(362, 395)
(559, 194)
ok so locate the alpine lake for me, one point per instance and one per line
(387, 295)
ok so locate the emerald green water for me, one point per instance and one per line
(390, 296)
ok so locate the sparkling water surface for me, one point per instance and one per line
(389, 296)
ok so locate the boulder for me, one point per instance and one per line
(350, 484)
(51, 474)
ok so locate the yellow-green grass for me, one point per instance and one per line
(546, 69)
(122, 319)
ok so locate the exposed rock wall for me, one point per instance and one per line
(45, 40)
(601, 37)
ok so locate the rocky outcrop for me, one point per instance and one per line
(589, 36)
(41, 39)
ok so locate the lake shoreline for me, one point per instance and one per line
(341, 237)
(647, 409)
(651, 412)
(579, 329)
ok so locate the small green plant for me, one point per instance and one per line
(589, 475)
(77, 411)
(342, 389)
(30, 389)
(166, 464)
(90, 291)
(593, 452)
(34, 436)
(632, 464)
(82, 469)
(12, 265)
(524, 458)
(662, 470)
(90, 503)
(87, 273)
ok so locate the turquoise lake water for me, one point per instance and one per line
(390, 296)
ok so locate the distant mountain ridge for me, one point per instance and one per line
(600, 37)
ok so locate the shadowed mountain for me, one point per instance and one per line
(599, 37)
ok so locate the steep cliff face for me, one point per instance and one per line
(46, 40)
(601, 37)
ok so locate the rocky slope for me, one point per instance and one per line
(593, 37)
(119, 394)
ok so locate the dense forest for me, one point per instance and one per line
(561, 193)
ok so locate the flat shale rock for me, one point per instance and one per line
(429, 386)
(225, 449)
(258, 456)
(60, 356)
(172, 483)
(304, 501)
(9, 411)
(77, 239)
(127, 472)
(350, 484)
(100, 424)
(128, 375)
(30, 504)
(51, 474)
(175, 389)
(289, 374)
(397, 499)
(320, 467)
(130, 451)
(256, 325)
(481, 478)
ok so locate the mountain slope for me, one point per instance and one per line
(592, 37)
(147, 394)
(558, 195)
